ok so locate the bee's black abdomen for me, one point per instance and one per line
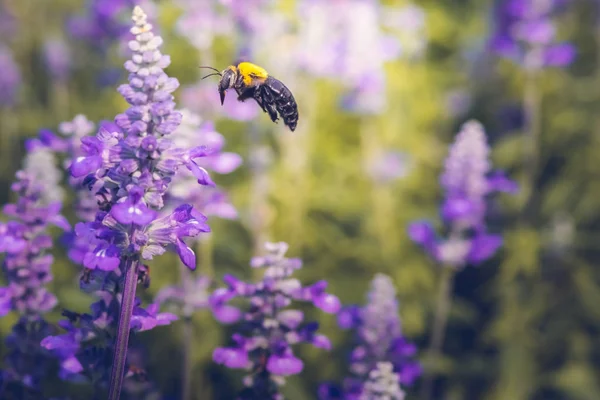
(274, 92)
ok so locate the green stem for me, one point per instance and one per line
(122, 341)
(440, 321)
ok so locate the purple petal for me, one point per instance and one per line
(129, 212)
(186, 254)
(499, 182)
(201, 174)
(103, 258)
(85, 165)
(328, 303)
(226, 314)
(231, 358)
(483, 247)
(348, 317)
(71, 365)
(321, 342)
(284, 365)
(457, 208)
(560, 55)
(226, 163)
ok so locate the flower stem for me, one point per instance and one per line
(188, 335)
(439, 328)
(120, 351)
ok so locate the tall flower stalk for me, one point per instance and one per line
(467, 181)
(129, 165)
(25, 242)
(268, 328)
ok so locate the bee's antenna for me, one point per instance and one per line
(214, 69)
(213, 74)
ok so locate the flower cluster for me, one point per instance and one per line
(467, 181)
(526, 34)
(269, 328)
(25, 242)
(128, 166)
(378, 339)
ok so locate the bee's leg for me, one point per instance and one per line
(269, 102)
(246, 94)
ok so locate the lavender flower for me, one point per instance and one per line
(467, 181)
(379, 338)
(25, 241)
(526, 34)
(271, 330)
(10, 79)
(129, 166)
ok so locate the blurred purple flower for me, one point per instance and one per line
(203, 98)
(378, 336)
(26, 266)
(57, 56)
(343, 40)
(25, 239)
(525, 33)
(382, 384)
(271, 328)
(102, 20)
(389, 166)
(10, 79)
(467, 180)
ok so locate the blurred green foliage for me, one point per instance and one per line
(523, 326)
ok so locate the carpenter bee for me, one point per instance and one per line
(251, 81)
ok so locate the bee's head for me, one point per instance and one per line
(228, 78)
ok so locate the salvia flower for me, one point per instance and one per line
(269, 328)
(25, 242)
(467, 180)
(378, 337)
(525, 33)
(129, 165)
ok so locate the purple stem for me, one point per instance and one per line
(120, 352)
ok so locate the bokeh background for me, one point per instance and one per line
(382, 88)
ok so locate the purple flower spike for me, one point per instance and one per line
(26, 267)
(468, 180)
(526, 33)
(273, 328)
(128, 167)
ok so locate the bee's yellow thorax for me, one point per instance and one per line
(251, 72)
